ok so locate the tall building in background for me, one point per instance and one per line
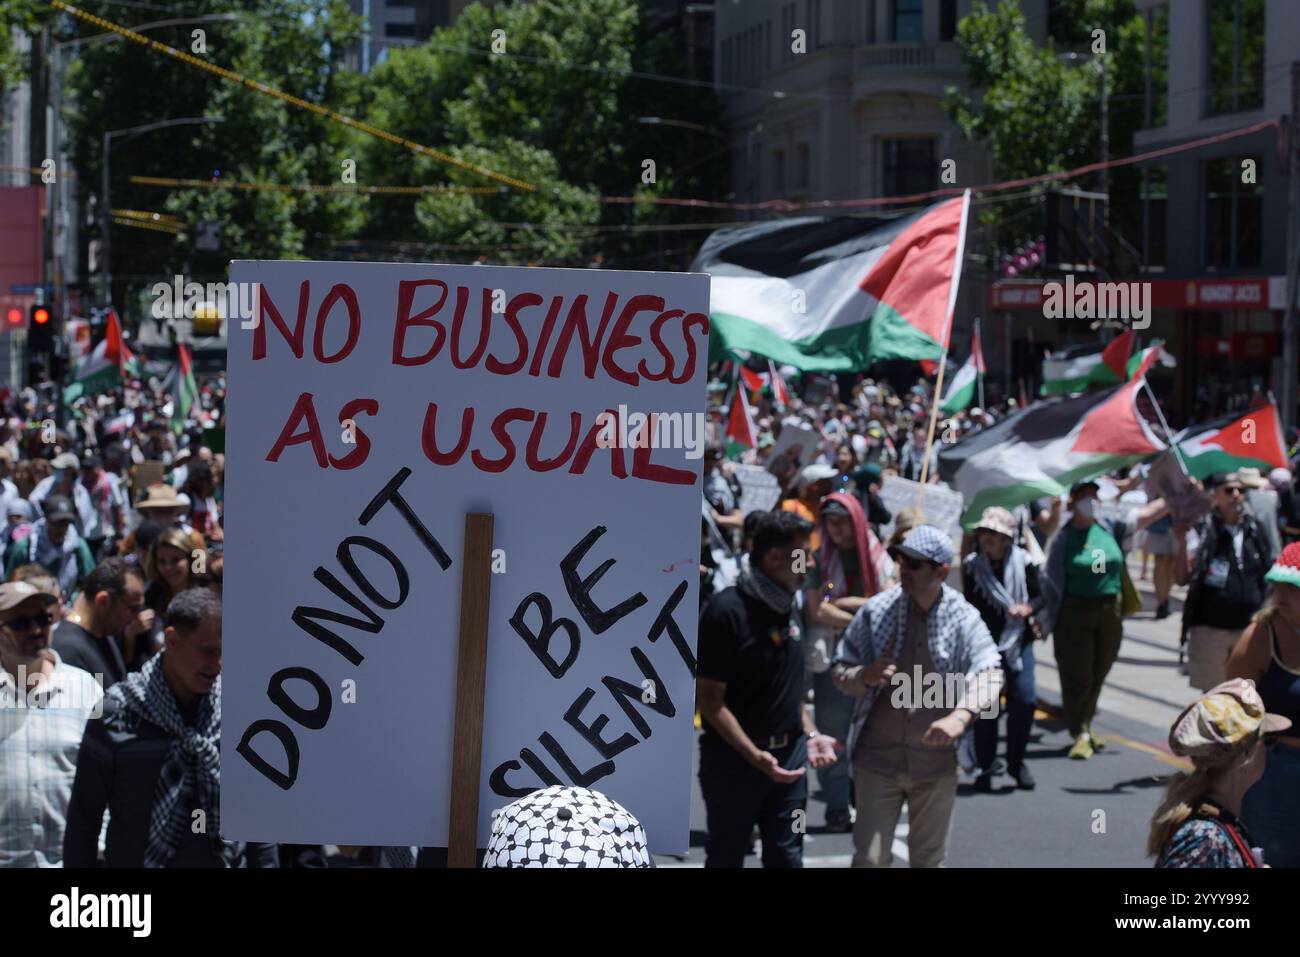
(395, 23)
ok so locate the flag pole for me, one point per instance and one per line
(929, 437)
(1178, 455)
(979, 375)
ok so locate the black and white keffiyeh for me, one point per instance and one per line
(191, 773)
(1011, 589)
(758, 586)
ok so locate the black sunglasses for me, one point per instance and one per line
(914, 564)
(25, 622)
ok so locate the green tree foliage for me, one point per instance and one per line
(1037, 110)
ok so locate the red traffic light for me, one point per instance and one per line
(15, 317)
(40, 316)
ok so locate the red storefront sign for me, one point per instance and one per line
(1227, 294)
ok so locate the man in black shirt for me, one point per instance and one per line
(153, 759)
(111, 601)
(758, 736)
(1228, 554)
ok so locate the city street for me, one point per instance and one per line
(1058, 824)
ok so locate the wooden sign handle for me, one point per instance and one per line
(471, 680)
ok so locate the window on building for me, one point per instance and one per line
(1155, 205)
(1157, 67)
(778, 172)
(803, 166)
(908, 166)
(947, 19)
(1233, 214)
(1235, 43)
(399, 29)
(869, 12)
(908, 24)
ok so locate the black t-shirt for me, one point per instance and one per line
(749, 647)
(81, 649)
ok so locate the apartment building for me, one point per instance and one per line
(394, 23)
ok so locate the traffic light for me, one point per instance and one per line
(13, 319)
(40, 330)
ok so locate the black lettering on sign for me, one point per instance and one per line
(315, 718)
(666, 623)
(591, 732)
(306, 618)
(583, 779)
(281, 779)
(579, 589)
(379, 548)
(539, 642)
(497, 781)
(388, 494)
(627, 695)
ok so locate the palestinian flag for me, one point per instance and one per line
(961, 392)
(107, 366)
(753, 381)
(185, 391)
(1044, 449)
(836, 294)
(1225, 444)
(1081, 368)
(741, 433)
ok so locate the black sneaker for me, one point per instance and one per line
(1162, 611)
(839, 822)
(1024, 780)
(984, 783)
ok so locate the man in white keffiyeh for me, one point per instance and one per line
(928, 643)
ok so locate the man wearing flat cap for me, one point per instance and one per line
(44, 706)
(901, 645)
(65, 482)
(53, 543)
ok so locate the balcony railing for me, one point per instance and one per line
(908, 56)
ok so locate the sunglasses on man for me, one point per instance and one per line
(913, 564)
(23, 623)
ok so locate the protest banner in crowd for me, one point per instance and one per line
(372, 406)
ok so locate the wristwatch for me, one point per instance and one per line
(814, 734)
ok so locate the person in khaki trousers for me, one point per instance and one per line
(923, 667)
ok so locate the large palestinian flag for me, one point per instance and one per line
(836, 294)
(1251, 438)
(1044, 449)
(106, 366)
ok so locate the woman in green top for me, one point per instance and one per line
(1085, 572)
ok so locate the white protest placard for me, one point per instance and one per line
(942, 505)
(796, 448)
(759, 488)
(373, 405)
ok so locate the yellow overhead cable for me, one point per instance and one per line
(170, 228)
(233, 77)
(147, 216)
(35, 170)
(306, 187)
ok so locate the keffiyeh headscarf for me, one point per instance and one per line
(758, 586)
(191, 773)
(1010, 589)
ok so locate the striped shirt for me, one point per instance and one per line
(40, 737)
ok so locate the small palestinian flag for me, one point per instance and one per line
(1226, 444)
(836, 294)
(106, 367)
(1044, 449)
(185, 392)
(1081, 368)
(741, 433)
(961, 393)
(753, 381)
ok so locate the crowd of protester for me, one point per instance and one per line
(866, 611)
